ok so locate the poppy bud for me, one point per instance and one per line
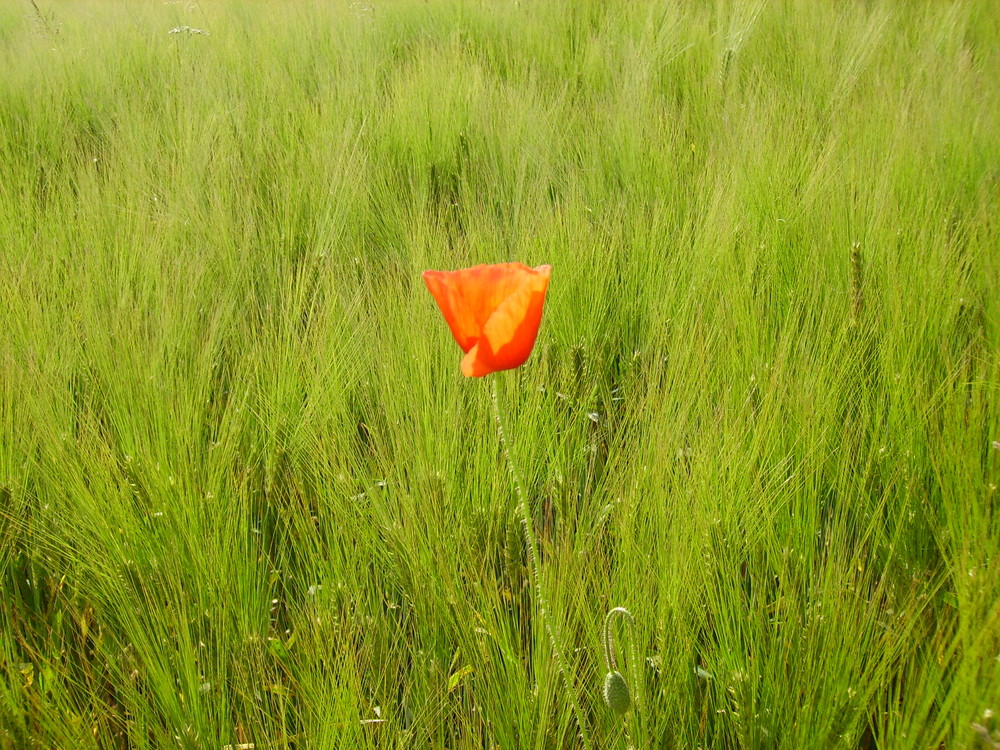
(616, 693)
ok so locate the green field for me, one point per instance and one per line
(248, 500)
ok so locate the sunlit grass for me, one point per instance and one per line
(247, 498)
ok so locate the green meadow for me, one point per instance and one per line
(248, 500)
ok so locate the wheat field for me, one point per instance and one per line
(248, 500)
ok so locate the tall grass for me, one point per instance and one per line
(246, 498)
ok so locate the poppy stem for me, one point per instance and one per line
(536, 574)
(609, 642)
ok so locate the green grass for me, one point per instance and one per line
(246, 495)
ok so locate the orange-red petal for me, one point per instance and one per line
(493, 312)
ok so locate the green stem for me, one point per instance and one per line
(529, 537)
(609, 650)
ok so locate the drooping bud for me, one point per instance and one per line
(616, 693)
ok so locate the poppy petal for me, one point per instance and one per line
(509, 335)
(493, 312)
(468, 297)
(452, 304)
(474, 365)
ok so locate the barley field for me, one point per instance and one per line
(248, 500)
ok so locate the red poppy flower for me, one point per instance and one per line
(493, 312)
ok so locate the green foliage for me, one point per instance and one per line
(246, 496)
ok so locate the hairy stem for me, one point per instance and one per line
(543, 609)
